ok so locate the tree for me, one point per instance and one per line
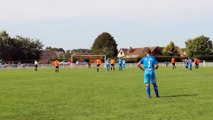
(105, 44)
(81, 51)
(4, 36)
(27, 48)
(55, 49)
(200, 45)
(19, 48)
(170, 49)
(5, 46)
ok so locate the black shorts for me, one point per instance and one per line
(173, 64)
(112, 65)
(98, 65)
(56, 67)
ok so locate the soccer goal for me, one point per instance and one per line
(72, 65)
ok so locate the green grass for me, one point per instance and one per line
(84, 94)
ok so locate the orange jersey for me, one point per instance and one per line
(196, 60)
(173, 60)
(56, 63)
(98, 61)
(112, 61)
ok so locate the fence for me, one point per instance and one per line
(128, 65)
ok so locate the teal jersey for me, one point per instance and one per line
(149, 62)
(190, 61)
(119, 61)
(149, 65)
(107, 62)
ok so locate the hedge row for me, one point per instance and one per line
(207, 58)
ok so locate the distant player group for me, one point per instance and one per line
(187, 62)
(110, 64)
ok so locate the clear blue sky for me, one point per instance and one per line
(72, 24)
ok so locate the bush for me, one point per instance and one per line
(208, 58)
(131, 60)
(168, 58)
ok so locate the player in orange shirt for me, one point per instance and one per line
(56, 64)
(173, 63)
(112, 63)
(98, 63)
(197, 61)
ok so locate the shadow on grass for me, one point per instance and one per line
(183, 95)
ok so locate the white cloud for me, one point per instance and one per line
(160, 10)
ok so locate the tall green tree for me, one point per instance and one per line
(81, 51)
(4, 35)
(29, 48)
(55, 49)
(170, 49)
(5, 46)
(105, 44)
(200, 45)
(19, 48)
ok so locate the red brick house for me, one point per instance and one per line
(136, 52)
(48, 55)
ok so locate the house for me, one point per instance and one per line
(48, 55)
(59, 54)
(137, 52)
(182, 52)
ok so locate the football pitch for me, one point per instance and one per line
(84, 94)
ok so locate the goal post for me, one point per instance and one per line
(73, 55)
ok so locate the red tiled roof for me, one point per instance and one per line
(135, 52)
(46, 56)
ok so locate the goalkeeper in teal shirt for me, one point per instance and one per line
(149, 65)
